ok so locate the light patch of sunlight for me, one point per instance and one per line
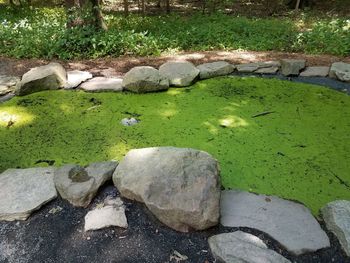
(174, 91)
(66, 108)
(11, 116)
(168, 113)
(118, 151)
(233, 122)
(211, 128)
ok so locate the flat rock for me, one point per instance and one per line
(78, 185)
(49, 77)
(266, 67)
(24, 191)
(76, 77)
(144, 79)
(179, 73)
(247, 67)
(180, 186)
(292, 67)
(341, 71)
(214, 69)
(289, 223)
(242, 247)
(337, 218)
(102, 84)
(112, 214)
(315, 72)
(267, 70)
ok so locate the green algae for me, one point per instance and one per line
(299, 150)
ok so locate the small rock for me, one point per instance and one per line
(179, 73)
(214, 69)
(76, 77)
(6, 97)
(180, 186)
(112, 214)
(8, 84)
(144, 79)
(242, 247)
(178, 257)
(337, 218)
(341, 71)
(291, 67)
(102, 84)
(129, 121)
(315, 72)
(24, 191)
(290, 223)
(79, 185)
(49, 77)
(55, 210)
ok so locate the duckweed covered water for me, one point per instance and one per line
(270, 136)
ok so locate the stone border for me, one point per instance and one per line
(177, 73)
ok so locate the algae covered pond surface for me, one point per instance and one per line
(269, 136)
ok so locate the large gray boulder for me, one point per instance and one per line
(180, 186)
(290, 223)
(144, 79)
(292, 67)
(23, 191)
(341, 71)
(78, 185)
(102, 84)
(337, 218)
(240, 247)
(179, 73)
(49, 77)
(214, 69)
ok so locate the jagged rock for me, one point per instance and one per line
(179, 73)
(242, 247)
(341, 71)
(144, 79)
(337, 218)
(111, 214)
(49, 77)
(76, 77)
(290, 223)
(214, 69)
(315, 72)
(180, 186)
(24, 191)
(268, 67)
(267, 70)
(78, 185)
(291, 67)
(102, 84)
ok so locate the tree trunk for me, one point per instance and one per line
(168, 9)
(297, 5)
(143, 8)
(126, 7)
(98, 17)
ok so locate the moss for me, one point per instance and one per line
(298, 151)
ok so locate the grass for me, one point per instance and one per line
(297, 152)
(41, 33)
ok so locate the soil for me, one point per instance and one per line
(59, 237)
(119, 66)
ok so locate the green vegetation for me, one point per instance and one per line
(299, 151)
(41, 33)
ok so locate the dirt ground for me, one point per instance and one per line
(119, 66)
(59, 237)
